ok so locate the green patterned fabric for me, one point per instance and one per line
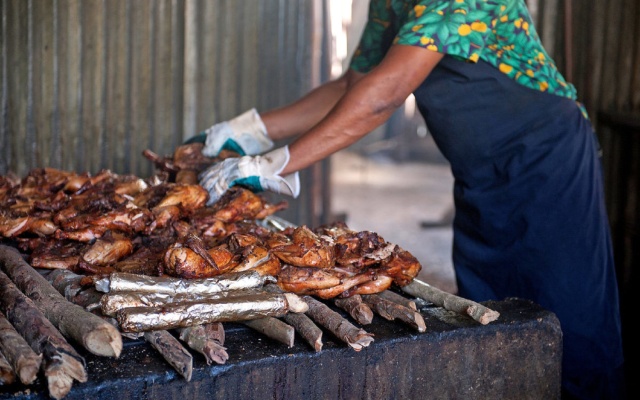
(499, 32)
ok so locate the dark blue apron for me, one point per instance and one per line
(530, 218)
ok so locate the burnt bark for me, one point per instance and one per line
(358, 310)
(305, 328)
(89, 330)
(451, 302)
(355, 337)
(7, 375)
(172, 351)
(398, 298)
(70, 285)
(24, 361)
(208, 340)
(61, 363)
(390, 310)
(273, 328)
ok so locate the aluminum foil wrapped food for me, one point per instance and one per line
(126, 282)
(241, 308)
(112, 302)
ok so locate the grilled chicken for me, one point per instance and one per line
(306, 249)
(304, 280)
(97, 224)
(108, 250)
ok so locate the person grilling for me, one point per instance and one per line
(530, 218)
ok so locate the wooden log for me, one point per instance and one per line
(305, 328)
(451, 302)
(398, 298)
(91, 331)
(358, 310)
(300, 322)
(66, 282)
(24, 361)
(72, 287)
(273, 328)
(172, 351)
(89, 299)
(355, 337)
(7, 376)
(390, 310)
(128, 335)
(61, 363)
(208, 340)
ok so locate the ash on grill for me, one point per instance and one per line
(148, 256)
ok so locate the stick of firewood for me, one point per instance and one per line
(172, 351)
(273, 328)
(179, 315)
(397, 298)
(306, 328)
(355, 337)
(175, 354)
(300, 322)
(69, 284)
(451, 302)
(24, 361)
(89, 299)
(96, 335)
(390, 310)
(207, 339)
(128, 335)
(61, 363)
(7, 376)
(358, 310)
(66, 282)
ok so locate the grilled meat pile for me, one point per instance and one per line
(103, 223)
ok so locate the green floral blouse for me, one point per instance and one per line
(499, 32)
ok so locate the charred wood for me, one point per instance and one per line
(300, 322)
(73, 287)
(61, 363)
(273, 328)
(355, 337)
(208, 340)
(390, 310)
(358, 310)
(451, 302)
(7, 375)
(24, 361)
(305, 328)
(398, 298)
(71, 320)
(172, 351)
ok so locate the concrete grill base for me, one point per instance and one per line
(516, 357)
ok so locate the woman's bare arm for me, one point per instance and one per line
(302, 115)
(366, 104)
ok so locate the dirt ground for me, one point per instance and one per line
(408, 203)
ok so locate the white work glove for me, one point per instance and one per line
(244, 134)
(256, 172)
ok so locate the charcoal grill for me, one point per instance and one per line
(515, 357)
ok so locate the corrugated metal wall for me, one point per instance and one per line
(595, 43)
(90, 84)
